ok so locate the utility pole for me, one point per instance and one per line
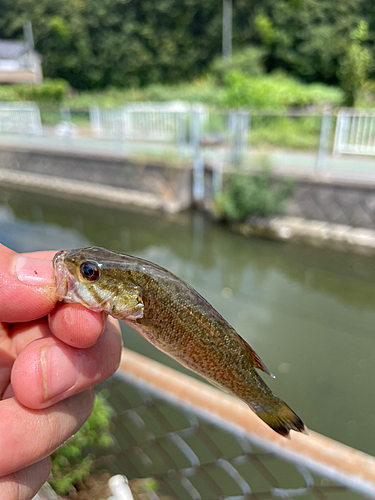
(227, 29)
(28, 33)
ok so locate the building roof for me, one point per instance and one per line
(12, 49)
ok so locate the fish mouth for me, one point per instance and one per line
(61, 275)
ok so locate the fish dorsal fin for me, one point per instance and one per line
(258, 363)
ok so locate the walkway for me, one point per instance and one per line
(296, 163)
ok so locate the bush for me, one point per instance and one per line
(74, 460)
(247, 195)
(287, 132)
(50, 91)
(276, 91)
(203, 90)
(248, 61)
(8, 93)
(273, 92)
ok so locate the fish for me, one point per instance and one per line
(176, 319)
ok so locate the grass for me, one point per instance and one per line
(202, 90)
(302, 133)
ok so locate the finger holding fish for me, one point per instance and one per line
(76, 325)
(48, 371)
(38, 364)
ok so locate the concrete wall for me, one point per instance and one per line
(337, 201)
(170, 184)
(315, 197)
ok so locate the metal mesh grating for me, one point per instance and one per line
(189, 457)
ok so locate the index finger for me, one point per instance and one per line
(27, 286)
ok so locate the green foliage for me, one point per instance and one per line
(123, 43)
(266, 92)
(50, 91)
(356, 64)
(313, 36)
(74, 460)
(202, 90)
(265, 29)
(302, 132)
(248, 61)
(276, 91)
(366, 96)
(127, 43)
(8, 93)
(247, 195)
(130, 44)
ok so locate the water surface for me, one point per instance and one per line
(309, 313)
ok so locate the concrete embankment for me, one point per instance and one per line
(94, 175)
(321, 234)
(84, 191)
(324, 212)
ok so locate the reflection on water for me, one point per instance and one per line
(309, 313)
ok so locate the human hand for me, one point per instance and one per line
(50, 356)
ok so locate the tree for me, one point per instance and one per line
(309, 37)
(356, 64)
(98, 43)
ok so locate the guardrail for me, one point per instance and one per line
(196, 442)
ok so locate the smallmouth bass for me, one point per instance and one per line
(176, 319)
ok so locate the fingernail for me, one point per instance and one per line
(34, 271)
(59, 370)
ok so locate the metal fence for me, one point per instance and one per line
(106, 123)
(355, 132)
(194, 442)
(183, 123)
(156, 121)
(165, 122)
(292, 143)
(20, 118)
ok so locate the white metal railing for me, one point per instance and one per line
(142, 121)
(355, 132)
(156, 121)
(20, 118)
(106, 123)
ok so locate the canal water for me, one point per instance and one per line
(309, 313)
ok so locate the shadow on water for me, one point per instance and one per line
(309, 313)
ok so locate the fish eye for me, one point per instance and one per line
(89, 271)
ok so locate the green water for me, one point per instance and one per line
(309, 313)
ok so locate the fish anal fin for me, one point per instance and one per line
(258, 363)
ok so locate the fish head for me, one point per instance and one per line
(89, 276)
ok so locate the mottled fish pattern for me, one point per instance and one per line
(176, 319)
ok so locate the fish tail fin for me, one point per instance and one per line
(280, 418)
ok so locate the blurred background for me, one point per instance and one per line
(233, 143)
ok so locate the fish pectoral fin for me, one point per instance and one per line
(258, 363)
(130, 306)
(136, 314)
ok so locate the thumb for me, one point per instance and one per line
(27, 287)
